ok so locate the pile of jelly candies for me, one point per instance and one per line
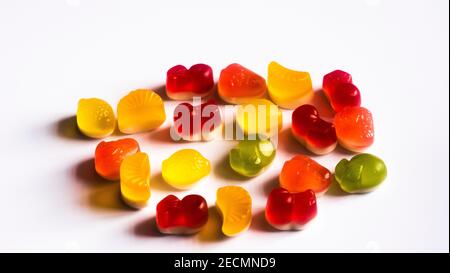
(302, 179)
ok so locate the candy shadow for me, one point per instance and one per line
(85, 173)
(212, 231)
(224, 170)
(215, 95)
(270, 185)
(103, 194)
(161, 91)
(117, 132)
(335, 190)
(259, 222)
(108, 198)
(148, 228)
(161, 135)
(157, 183)
(67, 128)
(288, 143)
(343, 152)
(320, 101)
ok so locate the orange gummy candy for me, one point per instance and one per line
(301, 173)
(109, 155)
(354, 128)
(238, 84)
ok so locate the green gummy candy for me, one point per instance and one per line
(251, 157)
(363, 173)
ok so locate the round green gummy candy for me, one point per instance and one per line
(250, 157)
(363, 173)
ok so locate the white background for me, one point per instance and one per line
(53, 53)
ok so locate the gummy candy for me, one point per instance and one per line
(95, 118)
(354, 128)
(251, 157)
(334, 78)
(139, 111)
(135, 180)
(110, 154)
(311, 131)
(186, 216)
(288, 88)
(184, 84)
(259, 117)
(302, 173)
(235, 206)
(340, 90)
(363, 173)
(184, 168)
(238, 84)
(204, 121)
(290, 211)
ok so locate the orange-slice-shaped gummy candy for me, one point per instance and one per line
(288, 88)
(135, 180)
(139, 111)
(235, 205)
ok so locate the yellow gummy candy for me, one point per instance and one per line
(135, 179)
(259, 116)
(139, 111)
(288, 88)
(95, 118)
(235, 205)
(184, 168)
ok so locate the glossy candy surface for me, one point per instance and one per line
(259, 117)
(135, 180)
(238, 84)
(235, 206)
(184, 84)
(110, 154)
(354, 128)
(185, 216)
(95, 118)
(251, 157)
(302, 173)
(139, 111)
(288, 88)
(290, 211)
(340, 90)
(184, 168)
(363, 173)
(200, 122)
(316, 134)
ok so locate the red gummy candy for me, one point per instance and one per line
(109, 156)
(331, 79)
(183, 83)
(286, 211)
(203, 121)
(186, 216)
(316, 134)
(340, 90)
